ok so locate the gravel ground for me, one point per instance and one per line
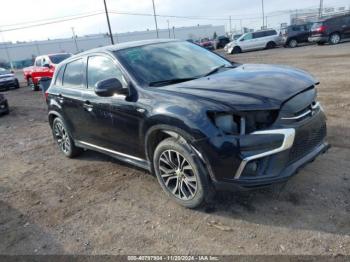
(97, 205)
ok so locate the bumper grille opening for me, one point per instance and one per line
(306, 140)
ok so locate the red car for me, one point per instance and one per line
(44, 66)
(206, 43)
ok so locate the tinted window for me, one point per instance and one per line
(170, 60)
(101, 68)
(56, 59)
(270, 33)
(258, 34)
(73, 75)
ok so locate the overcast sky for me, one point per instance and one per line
(22, 11)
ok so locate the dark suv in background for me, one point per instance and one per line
(194, 119)
(295, 34)
(331, 30)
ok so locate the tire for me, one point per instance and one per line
(174, 164)
(334, 39)
(32, 85)
(236, 50)
(64, 139)
(270, 45)
(17, 84)
(292, 43)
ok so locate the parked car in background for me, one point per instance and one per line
(206, 43)
(331, 30)
(295, 34)
(8, 79)
(221, 42)
(44, 66)
(196, 120)
(4, 107)
(264, 39)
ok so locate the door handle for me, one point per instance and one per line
(88, 106)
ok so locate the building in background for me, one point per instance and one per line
(303, 16)
(22, 54)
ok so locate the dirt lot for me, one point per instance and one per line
(97, 205)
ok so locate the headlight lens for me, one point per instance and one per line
(226, 122)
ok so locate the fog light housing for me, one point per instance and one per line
(251, 169)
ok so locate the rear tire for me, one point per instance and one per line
(32, 85)
(64, 139)
(334, 39)
(270, 45)
(181, 174)
(292, 43)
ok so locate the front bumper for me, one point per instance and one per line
(8, 84)
(264, 157)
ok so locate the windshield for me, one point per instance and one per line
(4, 71)
(171, 60)
(56, 59)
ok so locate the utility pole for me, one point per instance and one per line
(240, 22)
(230, 25)
(75, 40)
(155, 18)
(321, 9)
(168, 27)
(109, 24)
(263, 13)
(174, 32)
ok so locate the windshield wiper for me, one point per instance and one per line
(171, 81)
(216, 69)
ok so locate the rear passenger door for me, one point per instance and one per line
(70, 97)
(346, 26)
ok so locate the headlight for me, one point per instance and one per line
(226, 122)
(257, 120)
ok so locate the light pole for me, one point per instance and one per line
(75, 40)
(155, 18)
(109, 25)
(263, 13)
(168, 27)
(321, 9)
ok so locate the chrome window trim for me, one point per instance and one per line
(313, 107)
(112, 151)
(288, 140)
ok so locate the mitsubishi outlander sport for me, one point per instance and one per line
(197, 121)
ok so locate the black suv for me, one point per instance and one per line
(221, 41)
(194, 119)
(331, 30)
(295, 34)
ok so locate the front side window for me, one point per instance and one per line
(56, 59)
(38, 62)
(248, 37)
(102, 68)
(73, 75)
(170, 60)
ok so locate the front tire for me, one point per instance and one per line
(32, 85)
(64, 139)
(270, 45)
(181, 174)
(236, 50)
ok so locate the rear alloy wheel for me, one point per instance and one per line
(270, 45)
(180, 174)
(293, 43)
(63, 139)
(32, 85)
(334, 39)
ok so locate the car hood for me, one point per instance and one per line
(247, 87)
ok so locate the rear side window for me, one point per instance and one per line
(59, 76)
(258, 34)
(270, 33)
(102, 68)
(73, 75)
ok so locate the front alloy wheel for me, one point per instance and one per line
(334, 39)
(177, 175)
(181, 174)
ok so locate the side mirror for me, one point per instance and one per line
(47, 65)
(110, 87)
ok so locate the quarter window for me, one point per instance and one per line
(102, 68)
(73, 75)
(38, 61)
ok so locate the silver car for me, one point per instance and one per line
(264, 39)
